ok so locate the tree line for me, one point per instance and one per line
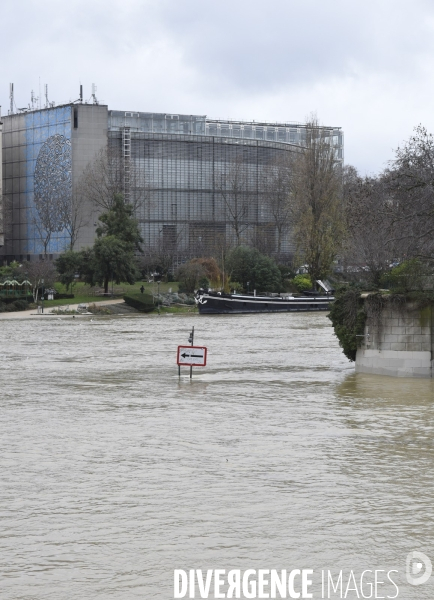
(326, 210)
(390, 217)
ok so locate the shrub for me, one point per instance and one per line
(302, 282)
(348, 318)
(406, 277)
(212, 271)
(204, 283)
(10, 308)
(21, 305)
(248, 266)
(12, 300)
(141, 302)
(63, 296)
(189, 276)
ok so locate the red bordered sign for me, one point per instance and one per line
(192, 356)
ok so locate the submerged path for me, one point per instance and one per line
(26, 314)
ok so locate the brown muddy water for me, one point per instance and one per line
(114, 472)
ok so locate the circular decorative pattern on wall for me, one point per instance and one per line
(53, 181)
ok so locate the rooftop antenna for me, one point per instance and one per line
(33, 100)
(47, 102)
(80, 99)
(95, 101)
(11, 97)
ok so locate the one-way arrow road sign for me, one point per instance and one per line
(192, 356)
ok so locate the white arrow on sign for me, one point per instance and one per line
(193, 356)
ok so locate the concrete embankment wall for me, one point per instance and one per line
(399, 343)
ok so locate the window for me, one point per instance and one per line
(247, 132)
(270, 133)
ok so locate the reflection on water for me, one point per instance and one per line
(276, 455)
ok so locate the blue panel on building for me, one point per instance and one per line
(49, 160)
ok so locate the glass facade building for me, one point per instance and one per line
(2, 235)
(201, 184)
(288, 133)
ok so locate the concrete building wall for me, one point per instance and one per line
(89, 137)
(44, 154)
(401, 346)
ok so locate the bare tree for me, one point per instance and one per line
(368, 247)
(189, 276)
(410, 182)
(162, 254)
(39, 273)
(110, 174)
(317, 203)
(60, 213)
(277, 180)
(232, 183)
(102, 179)
(46, 221)
(74, 214)
(390, 218)
(263, 238)
(157, 257)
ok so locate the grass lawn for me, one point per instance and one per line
(177, 310)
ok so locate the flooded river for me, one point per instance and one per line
(114, 472)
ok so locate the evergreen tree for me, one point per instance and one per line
(248, 265)
(119, 221)
(112, 255)
(67, 265)
(118, 240)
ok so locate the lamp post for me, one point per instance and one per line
(158, 286)
(42, 297)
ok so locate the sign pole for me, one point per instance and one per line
(191, 356)
(191, 340)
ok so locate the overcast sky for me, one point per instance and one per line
(366, 66)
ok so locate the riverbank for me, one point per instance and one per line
(50, 312)
(33, 312)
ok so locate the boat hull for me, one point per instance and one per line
(232, 304)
